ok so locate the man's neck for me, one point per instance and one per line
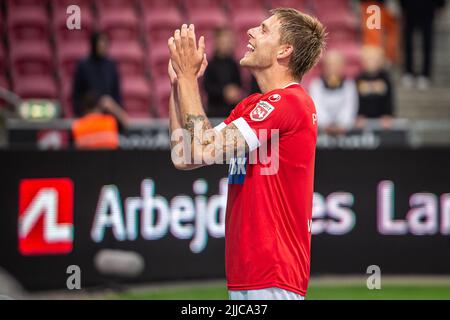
(270, 79)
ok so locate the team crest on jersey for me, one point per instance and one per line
(261, 111)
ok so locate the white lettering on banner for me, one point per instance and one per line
(153, 216)
(333, 215)
(184, 217)
(422, 218)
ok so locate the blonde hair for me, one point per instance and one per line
(307, 36)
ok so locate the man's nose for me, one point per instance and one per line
(250, 32)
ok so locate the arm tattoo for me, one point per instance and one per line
(233, 141)
(230, 142)
(196, 125)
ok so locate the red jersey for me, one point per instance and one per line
(269, 207)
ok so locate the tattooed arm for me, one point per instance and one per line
(203, 145)
(207, 145)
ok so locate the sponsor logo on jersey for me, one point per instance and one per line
(275, 97)
(261, 111)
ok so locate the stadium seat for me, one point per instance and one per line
(14, 4)
(158, 58)
(120, 25)
(331, 5)
(160, 23)
(146, 5)
(162, 90)
(205, 24)
(205, 14)
(243, 21)
(63, 4)
(35, 87)
(31, 58)
(62, 33)
(302, 5)
(66, 98)
(3, 63)
(4, 83)
(104, 5)
(28, 23)
(202, 4)
(129, 56)
(236, 5)
(136, 95)
(68, 55)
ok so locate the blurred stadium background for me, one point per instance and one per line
(38, 59)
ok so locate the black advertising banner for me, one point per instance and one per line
(386, 208)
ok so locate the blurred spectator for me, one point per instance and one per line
(419, 15)
(374, 89)
(335, 97)
(387, 36)
(96, 74)
(222, 77)
(96, 129)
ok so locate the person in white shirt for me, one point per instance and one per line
(335, 97)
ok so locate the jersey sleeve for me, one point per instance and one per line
(235, 113)
(278, 114)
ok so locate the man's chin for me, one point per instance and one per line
(244, 62)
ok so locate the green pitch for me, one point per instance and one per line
(317, 291)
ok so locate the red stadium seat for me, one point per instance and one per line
(68, 55)
(158, 58)
(130, 58)
(162, 90)
(31, 58)
(242, 21)
(28, 23)
(66, 97)
(160, 23)
(14, 4)
(3, 62)
(136, 96)
(35, 87)
(331, 5)
(158, 4)
(302, 5)
(63, 4)
(120, 25)
(103, 5)
(62, 33)
(203, 4)
(236, 5)
(206, 21)
(4, 83)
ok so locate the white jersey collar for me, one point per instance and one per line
(290, 84)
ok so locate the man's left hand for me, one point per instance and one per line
(185, 54)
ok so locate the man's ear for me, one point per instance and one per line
(285, 51)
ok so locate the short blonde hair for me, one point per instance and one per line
(306, 34)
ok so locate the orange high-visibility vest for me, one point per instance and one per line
(96, 131)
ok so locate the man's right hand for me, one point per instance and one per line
(173, 75)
